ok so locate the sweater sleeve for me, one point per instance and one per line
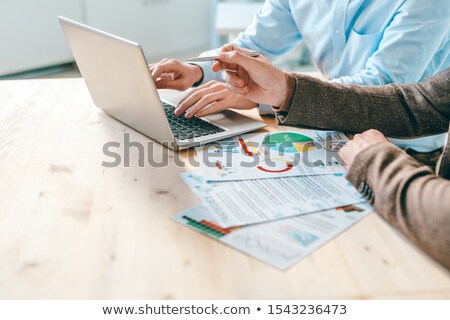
(403, 111)
(408, 195)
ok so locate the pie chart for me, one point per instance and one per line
(289, 142)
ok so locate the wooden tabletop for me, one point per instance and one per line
(71, 228)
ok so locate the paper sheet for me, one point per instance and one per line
(272, 154)
(239, 203)
(278, 243)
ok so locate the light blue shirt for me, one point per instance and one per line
(363, 42)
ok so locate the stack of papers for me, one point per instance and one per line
(275, 196)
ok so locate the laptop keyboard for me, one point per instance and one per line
(184, 129)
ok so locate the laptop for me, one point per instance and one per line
(116, 73)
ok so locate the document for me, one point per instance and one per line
(240, 203)
(272, 154)
(278, 243)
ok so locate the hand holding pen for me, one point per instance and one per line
(249, 53)
(255, 78)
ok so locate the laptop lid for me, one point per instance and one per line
(117, 76)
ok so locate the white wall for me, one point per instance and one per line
(30, 36)
(29, 33)
(162, 27)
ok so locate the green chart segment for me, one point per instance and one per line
(288, 142)
(206, 227)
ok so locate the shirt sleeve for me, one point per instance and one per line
(407, 46)
(272, 33)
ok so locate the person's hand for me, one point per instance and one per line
(360, 142)
(172, 74)
(255, 78)
(210, 98)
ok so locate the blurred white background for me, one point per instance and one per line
(33, 45)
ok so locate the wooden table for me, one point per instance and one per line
(70, 228)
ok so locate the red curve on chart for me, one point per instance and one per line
(289, 167)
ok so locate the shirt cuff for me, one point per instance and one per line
(198, 83)
(266, 110)
(208, 74)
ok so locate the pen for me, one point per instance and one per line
(252, 54)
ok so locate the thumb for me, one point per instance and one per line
(235, 57)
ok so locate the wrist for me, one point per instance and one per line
(197, 75)
(279, 95)
(288, 92)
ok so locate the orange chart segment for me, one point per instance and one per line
(248, 147)
(302, 146)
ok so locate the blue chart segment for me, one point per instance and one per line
(299, 236)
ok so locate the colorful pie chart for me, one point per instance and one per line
(289, 142)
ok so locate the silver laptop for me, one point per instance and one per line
(119, 81)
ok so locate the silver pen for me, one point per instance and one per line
(252, 54)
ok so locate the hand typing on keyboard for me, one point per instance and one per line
(185, 129)
(210, 98)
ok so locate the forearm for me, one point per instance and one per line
(398, 111)
(407, 195)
